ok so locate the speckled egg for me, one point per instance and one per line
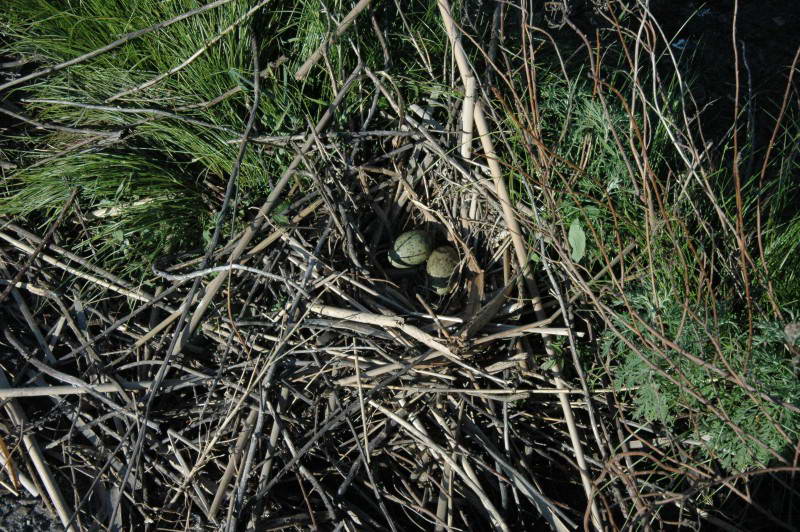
(410, 249)
(441, 265)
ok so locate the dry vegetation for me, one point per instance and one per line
(200, 329)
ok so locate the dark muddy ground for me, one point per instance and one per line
(25, 514)
(767, 36)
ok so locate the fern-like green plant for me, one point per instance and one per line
(763, 425)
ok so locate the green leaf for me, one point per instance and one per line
(577, 240)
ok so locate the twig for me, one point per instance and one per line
(73, 381)
(416, 434)
(303, 71)
(519, 247)
(139, 296)
(116, 134)
(467, 118)
(397, 323)
(226, 268)
(18, 417)
(54, 391)
(130, 110)
(233, 460)
(272, 200)
(41, 246)
(178, 339)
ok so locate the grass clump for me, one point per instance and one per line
(184, 117)
(174, 138)
(138, 209)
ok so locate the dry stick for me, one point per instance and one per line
(182, 331)
(56, 127)
(522, 259)
(363, 410)
(524, 330)
(347, 21)
(41, 245)
(762, 175)
(266, 467)
(303, 470)
(19, 478)
(233, 459)
(430, 444)
(17, 415)
(332, 421)
(24, 233)
(237, 496)
(275, 235)
(519, 249)
(467, 118)
(139, 296)
(226, 268)
(280, 140)
(550, 510)
(272, 200)
(467, 78)
(231, 415)
(381, 321)
(737, 180)
(444, 504)
(199, 498)
(200, 51)
(53, 391)
(397, 323)
(74, 381)
(122, 40)
(488, 393)
(133, 110)
(8, 463)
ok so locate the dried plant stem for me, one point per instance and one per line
(40, 246)
(54, 391)
(444, 455)
(272, 200)
(467, 117)
(522, 259)
(17, 414)
(347, 21)
(233, 460)
(133, 294)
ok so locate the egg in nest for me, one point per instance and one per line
(410, 249)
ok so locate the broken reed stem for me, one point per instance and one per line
(381, 321)
(467, 117)
(520, 250)
(91, 278)
(48, 235)
(17, 415)
(53, 391)
(522, 260)
(430, 444)
(272, 200)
